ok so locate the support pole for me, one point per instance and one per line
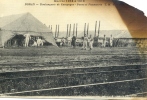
(87, 29)
(84, 29)
(95, 28)
(98, 30)
(67, 31)
(58, 31)
(76, 30)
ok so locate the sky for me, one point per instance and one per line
(63, 15)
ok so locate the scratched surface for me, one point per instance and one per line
(64, 71)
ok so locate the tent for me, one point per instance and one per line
(21, 24)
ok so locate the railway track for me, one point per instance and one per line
(82, 86)
(74, 70)
(130, 79)
(11, 67)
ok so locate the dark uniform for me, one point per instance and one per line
(73, 41)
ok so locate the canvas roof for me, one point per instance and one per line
(22, 24)
(8, 19)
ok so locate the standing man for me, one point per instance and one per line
(85, 42)
(62, 41)
(69, 41)
(73, 41)
(90, 42)
(111, 41)
(27, 39)
(104, 41)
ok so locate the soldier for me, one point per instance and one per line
(62, 41)
(91, 42)
(73, 41)
(111, 41)
(104, 41)
(69, 41)
(39, 42)
(27, 39)
(85, 42)
(34, 42)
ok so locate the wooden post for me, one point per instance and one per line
(58, 31)
(95, 28)
(84, 29)
(76, 30)
(87, 29)
(67, 31)
(98, 30)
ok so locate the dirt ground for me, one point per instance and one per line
(65, 57)
(51, 53)
(44, 66)
(53, 50)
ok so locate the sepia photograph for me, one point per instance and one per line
(72, 48)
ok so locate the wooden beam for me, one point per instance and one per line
(95, 28)
(87, 29)
(67, 31)
(84, 29)
(58, 31)
(98, 30)
(76, 30)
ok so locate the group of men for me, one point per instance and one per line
(105, 41)
(87, 41)
(71, 41)
(39, 41)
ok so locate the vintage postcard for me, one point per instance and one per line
(72, 48)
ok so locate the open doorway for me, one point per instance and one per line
(16, 41)
(19, 41)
